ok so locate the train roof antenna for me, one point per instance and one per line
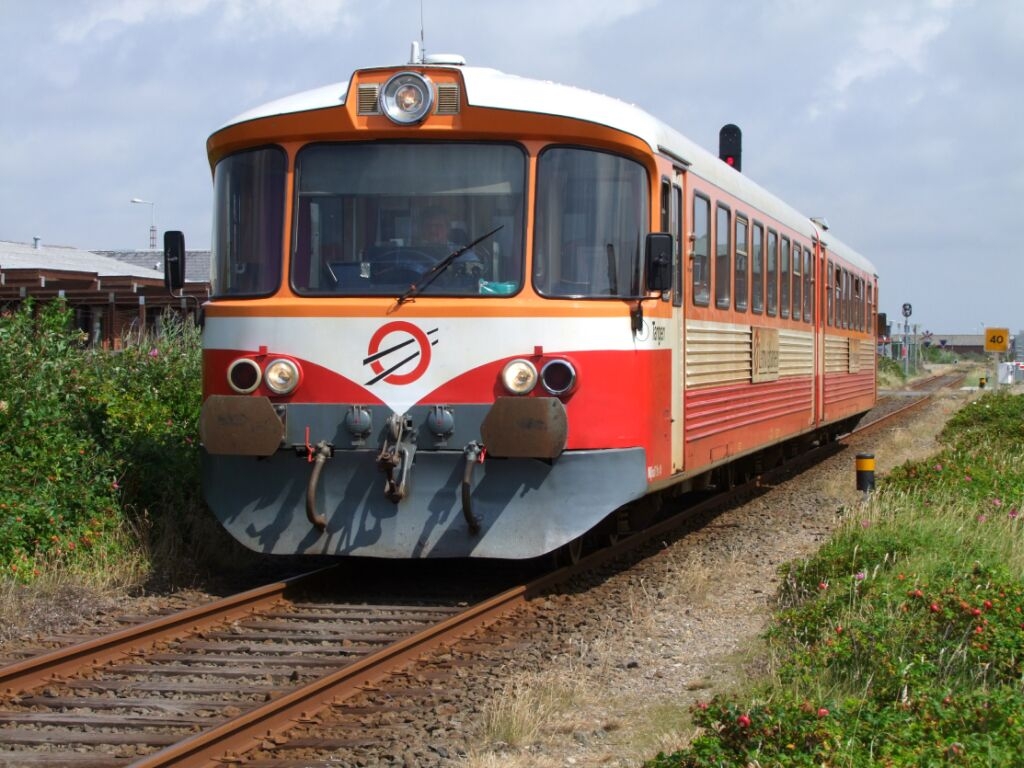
(418, 54)
(423, 40)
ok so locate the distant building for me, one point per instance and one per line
(961, 343)
(113, 293)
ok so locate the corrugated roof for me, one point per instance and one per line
(197, 263)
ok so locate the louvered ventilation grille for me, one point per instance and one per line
(368, 104)
(447, 99)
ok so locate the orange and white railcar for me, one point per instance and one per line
(612, 313)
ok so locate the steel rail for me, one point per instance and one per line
(224, 743)
(40, 670)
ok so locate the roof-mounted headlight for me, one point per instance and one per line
(407, 98)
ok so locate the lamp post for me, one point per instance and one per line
(152, 218)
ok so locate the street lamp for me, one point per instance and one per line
(152, 219)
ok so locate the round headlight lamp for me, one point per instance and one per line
(558, 377)
(244, 375)
(407, 98)
(519, 376)
(282, 376)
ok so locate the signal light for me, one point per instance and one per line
(730, 145)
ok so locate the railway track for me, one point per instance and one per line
(224, 684)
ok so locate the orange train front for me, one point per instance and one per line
(456, 313)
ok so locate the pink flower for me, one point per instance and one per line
(997, 502)
(938, 467)
(1013, 514)
(982, 518)
(859, 576)
(115, 485)
(822, 712)
(744, 721)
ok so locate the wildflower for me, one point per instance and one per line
(938, 467)
(154, 352)
(822, 712)
(823, 585)
(115, 485)
(1012, 514)
(744, 721)
(997, 502)
(982, 518)
(859, 576)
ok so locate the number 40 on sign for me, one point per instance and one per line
(997, 339)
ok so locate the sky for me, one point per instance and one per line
(899, 121)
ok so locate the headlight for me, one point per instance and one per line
(519, 377)
(282, 376)
(407, 98)
(558, 377)
(244, 376)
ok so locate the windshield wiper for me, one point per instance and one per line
(421, 285)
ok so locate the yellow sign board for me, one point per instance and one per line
(997, 339)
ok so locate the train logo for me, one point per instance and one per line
(408, 346)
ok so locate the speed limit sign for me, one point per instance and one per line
(997, 339)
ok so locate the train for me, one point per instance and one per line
(605, 315)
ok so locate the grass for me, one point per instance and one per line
(901, 641)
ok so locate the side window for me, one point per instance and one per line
(846, 299)
(723, 273)
(771, 272)
(797, 282)
(676, 218)
(666, 192)
(741, 230)
(872, 323)
(829, 296)
(784, 279)
(808, 287)
(757, 269)
(858, 303)
(701, 246)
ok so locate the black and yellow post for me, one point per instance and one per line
(865, 472)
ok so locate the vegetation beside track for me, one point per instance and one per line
(901, 642)
(98, 451)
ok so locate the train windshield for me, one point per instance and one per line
(373, 219)
(248, 223)
(592, 217)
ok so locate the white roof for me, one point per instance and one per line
(497, 90)
(65, 258)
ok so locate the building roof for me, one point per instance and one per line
(88, 277)
(67, 259)
(197, 263)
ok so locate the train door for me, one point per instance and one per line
(677, 228)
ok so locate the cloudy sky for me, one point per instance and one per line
(900, 121)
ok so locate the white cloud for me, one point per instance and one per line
(884, 42)
(247, 19)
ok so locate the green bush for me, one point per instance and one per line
(901, 641)
(92, 443)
